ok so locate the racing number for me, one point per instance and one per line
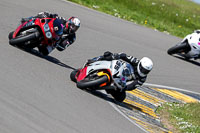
(29, 24)
(117, 66)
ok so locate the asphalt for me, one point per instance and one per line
(36, 94)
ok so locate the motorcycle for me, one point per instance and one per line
(37, 32)
(189, 47)
(111, 76)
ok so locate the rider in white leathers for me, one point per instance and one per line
(141, 67)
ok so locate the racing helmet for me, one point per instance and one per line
(145, 65)
(72, 25)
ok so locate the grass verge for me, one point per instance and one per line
(180, 118)
(177, 17)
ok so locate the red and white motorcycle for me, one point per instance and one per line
(111, 76)
(189, 47)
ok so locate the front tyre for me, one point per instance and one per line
(86, 83)
(10, 36)
(183, 47)
(25, 38)
(73, 74)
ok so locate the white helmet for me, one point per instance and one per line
(145, 65)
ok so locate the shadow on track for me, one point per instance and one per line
(106, 97)
(48, 58)
(189, 61)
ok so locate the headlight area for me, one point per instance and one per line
(46, 27)
(48, 35)
(47, 31)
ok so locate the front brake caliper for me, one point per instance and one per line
(101, 73)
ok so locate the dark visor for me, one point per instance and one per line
(73, 28)
(143, 70)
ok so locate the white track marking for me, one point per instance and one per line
(170, 88)
(128, 118)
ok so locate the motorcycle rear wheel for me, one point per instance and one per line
(83, 84)
(117, 94)
(183, 47)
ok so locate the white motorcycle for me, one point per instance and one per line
(189, 47)
(109, 75)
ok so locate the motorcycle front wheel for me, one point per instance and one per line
(10, 36)
(22, 39)
(183, 47)
(86, 83)
(73, 74)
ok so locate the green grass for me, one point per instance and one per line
(184, 117)
(177, 17)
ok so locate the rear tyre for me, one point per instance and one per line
(22, 39)
(83, 84)
(183, 47)
(117, 94)
(43, 50)
(73, 74)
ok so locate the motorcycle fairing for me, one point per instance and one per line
(82, 73)
(193, 40)
(98, 65)
(40, 23)
(19, 28)
(115, 68)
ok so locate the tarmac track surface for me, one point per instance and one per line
(36, 93)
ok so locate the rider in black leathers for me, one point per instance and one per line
(70, 26)
(141, 67)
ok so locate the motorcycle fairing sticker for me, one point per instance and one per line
(29, 24)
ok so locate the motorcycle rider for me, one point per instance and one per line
(197, 31)
(141, 67)
(70, 27)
